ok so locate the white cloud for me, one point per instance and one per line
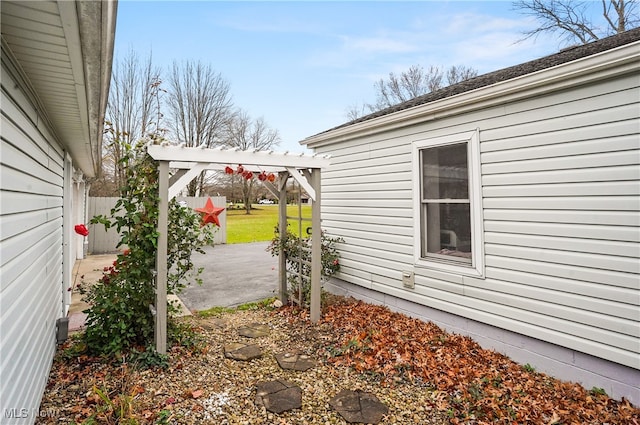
(465, 24)
(278, 25)
(377, 44)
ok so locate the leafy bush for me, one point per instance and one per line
(120, 317)
(297, 253)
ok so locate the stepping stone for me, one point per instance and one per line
(254, 330)
(295, 361)
(278, 396)
(214, 323)
(359, 406)
(240, 351)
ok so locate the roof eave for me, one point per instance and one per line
(94, 25)
(620, 60)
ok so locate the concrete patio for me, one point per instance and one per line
(233, 274)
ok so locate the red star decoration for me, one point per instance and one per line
(210, 213)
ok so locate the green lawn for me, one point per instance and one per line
(260, 224)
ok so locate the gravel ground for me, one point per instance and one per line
(207, 388)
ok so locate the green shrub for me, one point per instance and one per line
(120, 317)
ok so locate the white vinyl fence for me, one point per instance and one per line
(102, 242)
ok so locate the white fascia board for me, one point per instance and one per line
(71, 28)
(623, 59)
(233, 158)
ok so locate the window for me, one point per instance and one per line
(448, 194)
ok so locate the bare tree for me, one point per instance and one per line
(457, 74)
(132, 112)
(572, 20)
(245, 133)
(409, 84)
(199, 105)
(355, 111)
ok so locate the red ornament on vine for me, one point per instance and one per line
(81, 229)
(263, 176)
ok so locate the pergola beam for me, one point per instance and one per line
(230, 157)
(176, 176)
(186, 178)
(272, 188)
(297, 176)
(180, 165)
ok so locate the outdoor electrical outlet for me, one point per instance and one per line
(409, 280)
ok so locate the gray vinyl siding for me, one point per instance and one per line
(31, 246)
(560, 205)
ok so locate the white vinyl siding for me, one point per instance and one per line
(31, 245)
(367, 199)
(560, 188)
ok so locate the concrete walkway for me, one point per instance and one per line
(85, 271)
(233, 274)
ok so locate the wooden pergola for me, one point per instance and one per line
(190, 162)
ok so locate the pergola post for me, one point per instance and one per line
(316, 248)
(161, 258)
(282, 230)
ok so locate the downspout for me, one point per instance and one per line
(67, 235)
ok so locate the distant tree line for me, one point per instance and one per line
(414, 82)
(193, 106)
(579, 22)
(572, 21)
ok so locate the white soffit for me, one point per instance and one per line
(45, 38)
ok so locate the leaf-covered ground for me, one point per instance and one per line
(199, 385)
(424, 375)
(471, 384)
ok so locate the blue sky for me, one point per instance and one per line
(300, 65)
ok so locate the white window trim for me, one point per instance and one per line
(477, 268)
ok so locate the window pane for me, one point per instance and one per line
(448, 229)
(445, 173)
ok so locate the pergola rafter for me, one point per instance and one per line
(190, 162)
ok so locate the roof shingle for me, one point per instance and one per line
(564, 56)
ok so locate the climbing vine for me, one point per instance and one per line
(297, 252)
(120, 317)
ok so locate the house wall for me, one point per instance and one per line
(31, 249)
(560, 201)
